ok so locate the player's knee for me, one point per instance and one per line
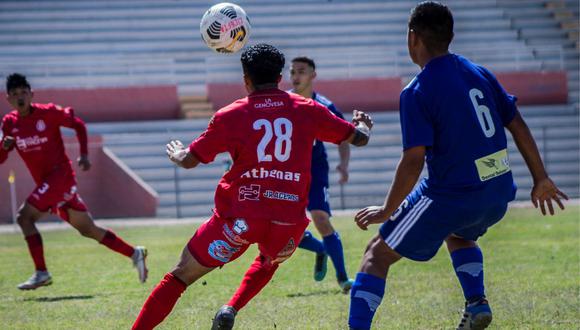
(379, 255)
(24, 218)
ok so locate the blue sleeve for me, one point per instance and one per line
(416, 125)
(335, 110)
(506, 103)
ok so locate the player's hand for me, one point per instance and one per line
(361, 117)
(370, 215)
(176, 151)
(8, 142)
(545, 191)
(84, 162)
(343, 171)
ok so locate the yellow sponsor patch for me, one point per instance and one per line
(493, 165)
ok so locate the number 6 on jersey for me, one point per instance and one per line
(283, 145)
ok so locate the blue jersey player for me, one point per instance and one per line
(302, 74)
(453, 116)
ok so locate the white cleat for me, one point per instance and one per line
(139, 257)
(38, 279)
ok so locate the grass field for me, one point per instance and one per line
(532, 275)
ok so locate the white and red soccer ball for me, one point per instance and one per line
(225, 27)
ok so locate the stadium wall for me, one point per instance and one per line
(382, 94)
(109, 188)
(115, 103)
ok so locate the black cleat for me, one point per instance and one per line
(224, 318)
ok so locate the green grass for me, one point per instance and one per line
(532, 276)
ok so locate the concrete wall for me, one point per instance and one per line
(109, 188)
(382, 94)
(113, 104)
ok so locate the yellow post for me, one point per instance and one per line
(12, 182)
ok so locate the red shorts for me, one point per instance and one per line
(219, 241)
(57, 194)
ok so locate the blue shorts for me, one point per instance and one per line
(420, 225)
(318, 197)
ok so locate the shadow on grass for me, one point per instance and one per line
(54, 299)
(313, 293)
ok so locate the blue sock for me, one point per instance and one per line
(365, 297)
(310, 243)
(333, 247)
(468, 264)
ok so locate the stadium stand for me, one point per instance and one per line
(97, 44)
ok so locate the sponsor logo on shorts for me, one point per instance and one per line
(221, 251)
(262, 173)
(240, 226)
(268, 103)
(281, 196)
(233, 237)
(251, 193)
(286, 251)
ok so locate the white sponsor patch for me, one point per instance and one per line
(472, 268)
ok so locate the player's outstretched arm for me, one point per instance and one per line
(408, 171)
(363, 124)
(180, 155)
(544, 190)
(7, 145)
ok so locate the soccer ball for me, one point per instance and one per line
(225, 28)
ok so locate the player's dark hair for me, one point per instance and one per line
(304, 59)
(433, 23)
(262, 63)
(16, 80)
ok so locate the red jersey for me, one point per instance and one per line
(39, 141)
(269, 135)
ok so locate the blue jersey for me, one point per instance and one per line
(319, 157)
(458, 110)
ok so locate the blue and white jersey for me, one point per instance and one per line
(458, 110)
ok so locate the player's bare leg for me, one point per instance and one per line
(468, 264)
(333, 248)
(164, 296)
(26, 219)
(84, 224)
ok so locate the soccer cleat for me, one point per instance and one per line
(139, 257)
(320, 266)
(476, 316)
(38, 279)
(224, 318)
(346, 285)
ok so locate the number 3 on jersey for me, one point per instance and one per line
(282, 128)
(482, 112)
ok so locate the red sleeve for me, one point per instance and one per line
(330, 128)
(211, 142)
(68, 119)
(4, 132)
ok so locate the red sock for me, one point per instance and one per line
(36, 250)
(255, 279)
(160, 302)
(117, 244)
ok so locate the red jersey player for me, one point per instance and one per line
(262, 198)
(34, 130)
